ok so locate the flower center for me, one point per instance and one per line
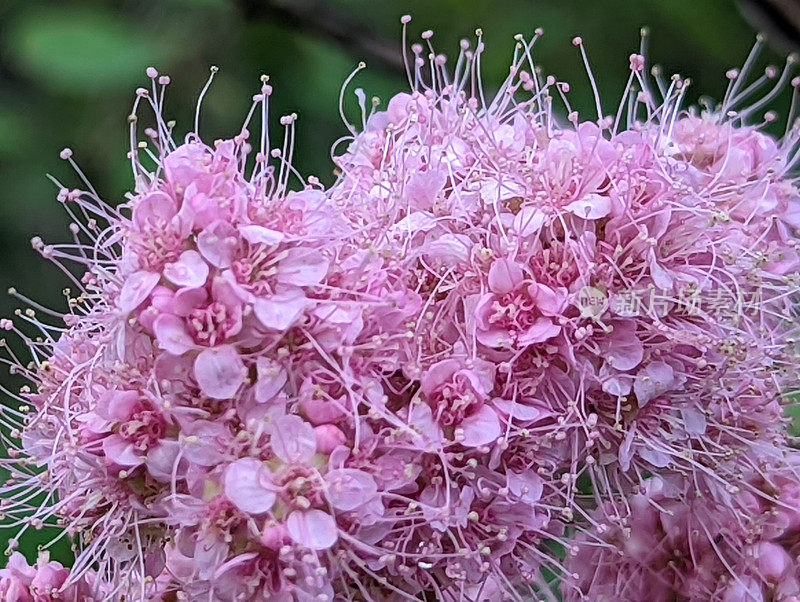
(222, 515)
(456, 400)
(255, 269)
(300, 487)
(144, 429)
(210, 325)
(157, 247)
(514, 312)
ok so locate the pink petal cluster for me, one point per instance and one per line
(496, 336)
(46, 580)
(665, 547)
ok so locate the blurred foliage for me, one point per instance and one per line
(68, 70)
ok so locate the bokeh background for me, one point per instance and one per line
(68, 70)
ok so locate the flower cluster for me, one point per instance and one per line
(417, 384)
(662, 544)
(47, 580)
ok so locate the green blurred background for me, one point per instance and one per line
(68, 71)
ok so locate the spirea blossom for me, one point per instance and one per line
(668, 547)
(502, 348)
(46, 580)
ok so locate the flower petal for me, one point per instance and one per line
(653, 380)
(481, 428)
(618, 385)
(656, 458)
(271, 378)
(160, 460)
(528, 221)
(302, 267)
(417, 221)
(118, 406)
(450, 247)
(328, 438)
(244, 486)
(349, 488)
(504, 276)
(497, 338)
(219, 372)
(426, 432)
(280, 311)
(550, 302)
(259, 235)
(121, 452)
(520, 412)
(190, 270)
(293, 439)
(622, 349)
(694, 421)
(590, 207)
(313, 529)
(218, 243)
(136, 289)
(154, 209)
(527, 485)
(437, 375)
(661, 277)
(496, 190)
(172, 334)
(540, 331)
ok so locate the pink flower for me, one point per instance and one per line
(514, 314)
(254, 488)
(47, 580)
(197, 317)
(158, 232)
(457, 397)
(132, 430)
(262, 271)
